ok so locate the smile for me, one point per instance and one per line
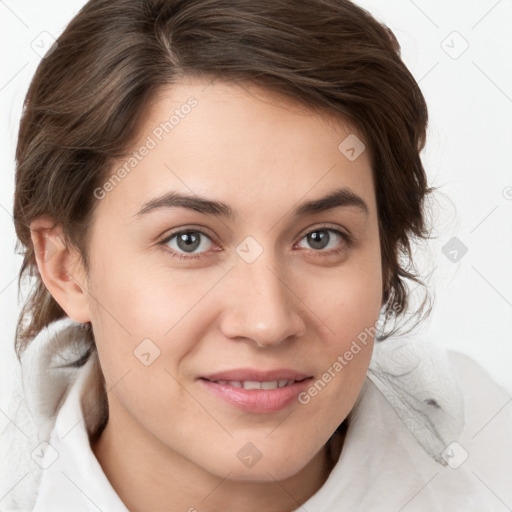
(253, 384)
(257, 391)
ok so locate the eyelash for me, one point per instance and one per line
(347, 242)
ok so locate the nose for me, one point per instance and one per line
(262, 306)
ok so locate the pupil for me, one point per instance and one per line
(188, 241)
(318, 239)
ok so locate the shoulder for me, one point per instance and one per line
(486, 442)
(50, 367)
(474, 376)
(455, 411)
(487, 405)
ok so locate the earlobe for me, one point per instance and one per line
(61, 268)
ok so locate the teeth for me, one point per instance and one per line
(269, 385)
(253, 384)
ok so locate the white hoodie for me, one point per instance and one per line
(430, 431)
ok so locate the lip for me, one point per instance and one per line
(255, 374)
(257, 400)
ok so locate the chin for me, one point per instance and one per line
(264, 473)
(251, 465)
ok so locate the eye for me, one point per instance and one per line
(325, 237)
(194, 243)
(185, 242)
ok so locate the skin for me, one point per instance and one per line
(168, 439)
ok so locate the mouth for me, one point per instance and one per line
(254, 384)
(257, 391)
(257, 375)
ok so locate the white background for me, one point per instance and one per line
(468, 155)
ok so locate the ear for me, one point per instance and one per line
(61, 268)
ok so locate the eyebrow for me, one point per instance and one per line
(341, 197)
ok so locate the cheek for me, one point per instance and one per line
(350, 304)
(146, 300)
(144, 309)
(350, 299)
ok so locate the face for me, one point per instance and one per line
(196, 305)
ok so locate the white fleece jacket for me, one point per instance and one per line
(430, 431)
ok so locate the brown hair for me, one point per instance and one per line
(88, 94)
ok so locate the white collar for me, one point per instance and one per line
(74, 480)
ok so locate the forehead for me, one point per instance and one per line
(242, 145)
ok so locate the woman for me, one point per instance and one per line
(217, 200)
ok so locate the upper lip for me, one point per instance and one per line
(251, 374)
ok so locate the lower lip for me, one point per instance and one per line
(257, 400)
